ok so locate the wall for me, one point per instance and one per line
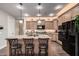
(65, 17)
(68, 15)
(11, 26)
(8, 22)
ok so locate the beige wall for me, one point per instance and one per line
(65, 17)
(68, 15)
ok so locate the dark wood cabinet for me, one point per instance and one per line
(67, 36)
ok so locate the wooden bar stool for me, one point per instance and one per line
(15, 47)
(43, 46)
(29, 46)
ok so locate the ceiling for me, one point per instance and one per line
(30, 8)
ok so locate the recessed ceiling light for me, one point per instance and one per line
(39, 7)
(26, 14)
(51, 14)
(38, 14)
(58, 7)
(20, 21)
(20, 7)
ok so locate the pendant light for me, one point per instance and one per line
(21, 8)
(39, 20)
(20, 19)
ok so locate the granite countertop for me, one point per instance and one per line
(26, 36)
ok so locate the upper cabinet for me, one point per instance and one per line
(32, 23)
(48, 25)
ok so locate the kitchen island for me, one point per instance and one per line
(36, 43)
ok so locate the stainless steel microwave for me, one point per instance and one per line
(40, 26)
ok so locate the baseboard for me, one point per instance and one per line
(58, 42)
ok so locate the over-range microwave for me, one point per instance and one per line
(41, 27)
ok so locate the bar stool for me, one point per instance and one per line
(15, 47)
(43, 46)
(29, 46)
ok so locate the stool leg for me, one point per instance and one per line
(18, 52)
(33, 52)
(39, 52)
(21, 51)
(10, 52)
(15, 52)
(25, 52)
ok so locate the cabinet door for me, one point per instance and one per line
(48, 25)
(31, 25)
(28, 26)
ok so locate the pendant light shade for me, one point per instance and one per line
(21, 16)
